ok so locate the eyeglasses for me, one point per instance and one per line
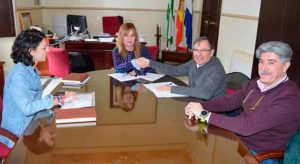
(202, 51)
(247, 106)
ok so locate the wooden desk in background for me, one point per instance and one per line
(176, 56)
(99, 52)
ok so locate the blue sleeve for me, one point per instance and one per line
(27, 95)
(146, 53)
(135, 65)
(121, 65)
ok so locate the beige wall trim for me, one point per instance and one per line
(102, 8)
(240, 16)
(29, 8)
(95, 8)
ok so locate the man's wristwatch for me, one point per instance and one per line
(203, 115)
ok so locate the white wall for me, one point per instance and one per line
(145, 4)
(144, 14)
(246, 7)
(238, 24)
(5, 50)
(238, 28)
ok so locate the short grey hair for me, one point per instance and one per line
(202, 38)
(283, 50)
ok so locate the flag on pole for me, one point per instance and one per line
(188, 19)
(179, 23)
(171, 25)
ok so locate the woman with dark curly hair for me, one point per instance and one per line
(23, 89)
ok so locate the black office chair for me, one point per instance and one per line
(234, 81)
(81, 62)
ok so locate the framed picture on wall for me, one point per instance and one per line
(25, 20)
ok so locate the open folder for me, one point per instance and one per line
(49, 84)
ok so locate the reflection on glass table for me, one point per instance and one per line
(39, 136)
(155, 131)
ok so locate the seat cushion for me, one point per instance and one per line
(4, 150)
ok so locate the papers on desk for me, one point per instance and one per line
(109, 39)
(49, 85)
(126, 77)
(91, 40)
(160, 94)
(83, 100)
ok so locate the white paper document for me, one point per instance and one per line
(126, 77)
(80, 124)
(151, 76)
(83, 100)
(91, 40)
(160, 94)
(49, 85)
(109, 39)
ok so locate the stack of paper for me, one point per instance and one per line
(75, 80)
(79, 112)
(109, 39)
(126, 77)
(91, 40)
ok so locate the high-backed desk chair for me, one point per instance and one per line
(58, 62)
(111, 24)
(154, 51)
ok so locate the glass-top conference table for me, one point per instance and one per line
(137, 129)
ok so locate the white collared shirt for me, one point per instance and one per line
(263, 87)
(199, 65)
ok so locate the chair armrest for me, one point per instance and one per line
(268, 155)
(9, 135)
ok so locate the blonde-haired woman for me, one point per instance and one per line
(128, 49)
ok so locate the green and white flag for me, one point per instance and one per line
(171, 26)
